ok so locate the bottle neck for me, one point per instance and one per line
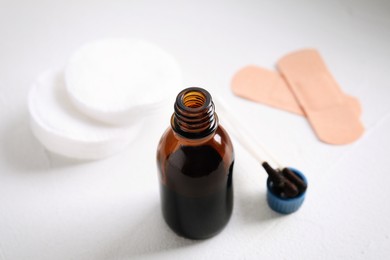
(194, 116)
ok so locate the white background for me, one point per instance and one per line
(57, 208)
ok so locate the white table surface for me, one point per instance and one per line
(57, 208)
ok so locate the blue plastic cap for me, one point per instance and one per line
(285, 205)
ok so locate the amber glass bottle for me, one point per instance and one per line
(195, 162)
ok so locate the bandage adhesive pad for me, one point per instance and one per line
(305, 87)
(268, 87)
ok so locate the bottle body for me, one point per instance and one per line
(195, 175)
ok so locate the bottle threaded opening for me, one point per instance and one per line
(193, 99)
(194, 115)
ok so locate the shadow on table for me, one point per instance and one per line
(151, 236)
(251, 205)
(254, 208)
(23, 152)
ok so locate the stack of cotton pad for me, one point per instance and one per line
(116, 80)
(95, 107)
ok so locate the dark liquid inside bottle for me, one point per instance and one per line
(197, 197)
(195, 163)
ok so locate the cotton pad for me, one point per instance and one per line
(119, 80)
(268, 87)
(320, 97)
(62, 129)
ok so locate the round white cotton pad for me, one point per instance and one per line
(119, 80)
(62, 129)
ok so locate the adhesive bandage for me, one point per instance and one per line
(268, 87)
(320, 97)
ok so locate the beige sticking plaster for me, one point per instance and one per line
(320, 97)
(268, 87)
(264, 86)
